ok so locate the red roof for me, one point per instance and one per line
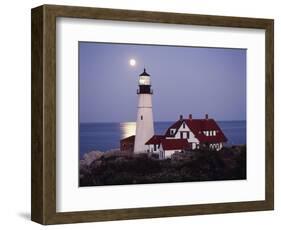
(197, 126)
(155, 140)
(175, 126)
(128, 139)
(175, 144)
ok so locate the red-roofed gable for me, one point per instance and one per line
(175, 126)
(197, 127)
(155, 140)
(175, 144)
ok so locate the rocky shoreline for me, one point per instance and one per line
(117, 168)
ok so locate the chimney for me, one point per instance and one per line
(206, 116)
(181, 117)
(190, 116)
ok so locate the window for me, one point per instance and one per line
(214, 133)
(171, 131)
(207, 133)
(183, 125)
(155, 148)
(193, 145)
(162, 155)
(141, 117)
(183, 134)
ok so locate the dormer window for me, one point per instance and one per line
(172, 131)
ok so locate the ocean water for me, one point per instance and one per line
(106, 136)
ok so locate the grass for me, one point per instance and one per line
(119, 168)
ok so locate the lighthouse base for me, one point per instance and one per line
(144, 127)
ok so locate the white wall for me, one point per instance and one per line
(15, 114)
(145, 125)
(169, 153)
(191, 138)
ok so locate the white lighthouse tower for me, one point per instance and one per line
(144, 128)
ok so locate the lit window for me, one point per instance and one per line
(144, 80)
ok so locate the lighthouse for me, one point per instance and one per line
(144, 126)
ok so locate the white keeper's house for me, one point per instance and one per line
(187, 134)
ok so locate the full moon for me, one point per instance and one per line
(132, 62)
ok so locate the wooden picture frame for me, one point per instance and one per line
(43, 208)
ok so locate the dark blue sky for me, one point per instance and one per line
(184, 80)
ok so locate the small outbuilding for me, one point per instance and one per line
(127, 144)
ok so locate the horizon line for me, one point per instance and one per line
(87, 122)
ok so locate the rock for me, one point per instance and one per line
(115, 167)
(88, 158)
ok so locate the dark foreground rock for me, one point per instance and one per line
(117, 168)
